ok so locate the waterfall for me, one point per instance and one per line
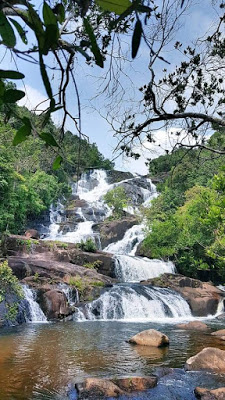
(136, 269)
(137, 303)
(129, 243)
(71, 293)
(36, 314)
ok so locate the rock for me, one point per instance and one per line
(210, 358)
(54, 304)
(112, 231)
(96, 388)
(203, 298)
(221, 332)
(193, 326)
(210, 394)
(150, 337)
(136, 383)
(114, 176)
(32, 234)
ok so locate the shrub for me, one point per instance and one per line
(89, 245)
(118, 200)
(94, 265)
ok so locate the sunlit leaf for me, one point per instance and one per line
(57, 163)
(48, 15)
(49, 139)
(116, 6)
(11, 74)
(94, 45)
(6, 31)
(22, 134)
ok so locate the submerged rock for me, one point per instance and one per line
(97, 388)
(220, 334)
(150, 337)
(193, 326)
(207, 394)
(210, 358)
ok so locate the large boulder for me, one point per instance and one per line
(96, 388)
(210, 358)
(112, 231)
(202, 297)
(150, 337)
(210, 394)
(193, 326)
(54, 304)
(114, 176)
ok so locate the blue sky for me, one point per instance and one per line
(198, 20)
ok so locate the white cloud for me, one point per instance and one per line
(33, 99)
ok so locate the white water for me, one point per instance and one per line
(136, 269)
(127, 302)
(137, 303)
(36, 313)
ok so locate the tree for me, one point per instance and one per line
(192, 95)
(117, 199)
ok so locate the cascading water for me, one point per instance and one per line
(123, 301)
(137, 303)
(136, 269)
(36, 314)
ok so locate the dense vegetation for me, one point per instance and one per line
(186, 223)
(28, 182)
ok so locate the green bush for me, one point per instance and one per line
(89, 245)
(117, 199)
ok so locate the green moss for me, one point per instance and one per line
(98, 283)
(94, 265)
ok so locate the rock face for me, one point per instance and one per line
(150, 337)
(206, 394)
(21, 311)
(118, 176)
(96, 388)
(54, 305)
(193, 326)
(210, 358)
(112, 231)
(203, 298)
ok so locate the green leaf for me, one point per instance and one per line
(51, 38)
(136, 39)
(22, 134)
(48, 15)
(6, 31)
(60, 11)
(13, 95)
(49, 139)
(36, 25)
(94, 45)
(116, 6)
(20, 30)
(57, 162)
(45, 77)
(11, 74)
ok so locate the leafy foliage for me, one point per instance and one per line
(186, 222)
(118, 200)
(88, 245)
(9, 284)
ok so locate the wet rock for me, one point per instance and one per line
(32, 234)
(136, 383)
(112, 231)
(114, 176)
(193, 326)
(96, 388)
(150, 337)
(20, 309)
(210, 358)
(54, 304)
(203, 298)
(210, 394)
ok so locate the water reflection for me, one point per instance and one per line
(37, 359)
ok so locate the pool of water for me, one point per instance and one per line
(42, 361)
